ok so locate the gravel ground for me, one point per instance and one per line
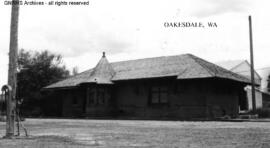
(66, 133)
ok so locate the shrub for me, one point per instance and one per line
(263, 113)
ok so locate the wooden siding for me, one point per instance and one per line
(186, 99)
(72, 108)
(202, 98)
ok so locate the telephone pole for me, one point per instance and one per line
(252, 65)
(12, 69)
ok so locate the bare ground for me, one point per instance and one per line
(65, 133)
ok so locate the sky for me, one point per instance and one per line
(133, 29)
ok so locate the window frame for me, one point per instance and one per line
(75, 101)
(159, 91)
(100, 96)
(90, 96)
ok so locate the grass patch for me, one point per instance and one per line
(66, 133)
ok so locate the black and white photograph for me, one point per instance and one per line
(134, 73)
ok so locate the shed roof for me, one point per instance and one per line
(186, 66)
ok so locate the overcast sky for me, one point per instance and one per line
(132, 29)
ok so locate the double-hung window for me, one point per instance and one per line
(159, 95)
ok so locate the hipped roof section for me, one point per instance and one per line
(186, 66)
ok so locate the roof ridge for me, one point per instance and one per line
(204, 67)
(148, 58)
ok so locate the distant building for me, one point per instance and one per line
(264, 73)
(181, 86)
(242, 67)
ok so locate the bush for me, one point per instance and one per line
(3, 118)
(263, 113)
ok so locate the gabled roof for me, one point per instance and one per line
(241, 67)
(229, 65)
(184, 66)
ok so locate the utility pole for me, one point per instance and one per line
(252, 65)
(12, 69)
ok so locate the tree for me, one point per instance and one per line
(37, 70)
(75, 70)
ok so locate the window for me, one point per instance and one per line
(159, 95)
(74, 100)
(96, 96)
(90, 96)
(100, 96)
